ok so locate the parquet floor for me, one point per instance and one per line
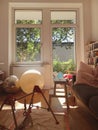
(77, 117)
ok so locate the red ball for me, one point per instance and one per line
(67, 76)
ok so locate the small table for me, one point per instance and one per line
(64, 82)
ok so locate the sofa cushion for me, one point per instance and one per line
(86, 78)
(85, 92)
(87, 75)
(85, 68)
(93, 105)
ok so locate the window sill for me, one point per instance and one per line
(30, 65)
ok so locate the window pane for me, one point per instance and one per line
(63, 41)
(28, 17)
(63, 17)
(28, 44)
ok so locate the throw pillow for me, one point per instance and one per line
(86, 78)
(85, 68)
(86, 75)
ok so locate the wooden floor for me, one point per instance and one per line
(77, 117)
(80, 119)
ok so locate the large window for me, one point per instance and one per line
(36, 30)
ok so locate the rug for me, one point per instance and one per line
(42, 120)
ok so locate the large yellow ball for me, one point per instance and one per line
(29, 79)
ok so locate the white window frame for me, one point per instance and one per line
(74, 25)
(55, 6)
(14, 26)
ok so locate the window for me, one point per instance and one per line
(28, 35)
(63, 40)
(64, 25)
(33, 29)
(63, 17)
(28, 16)
(28, 45)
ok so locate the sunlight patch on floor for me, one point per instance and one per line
(19, 105)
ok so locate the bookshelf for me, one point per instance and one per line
(93, 53)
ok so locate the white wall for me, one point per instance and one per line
(4, 35)
(94, 19)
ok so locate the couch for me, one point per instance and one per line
(85, 88)
(88, 96)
